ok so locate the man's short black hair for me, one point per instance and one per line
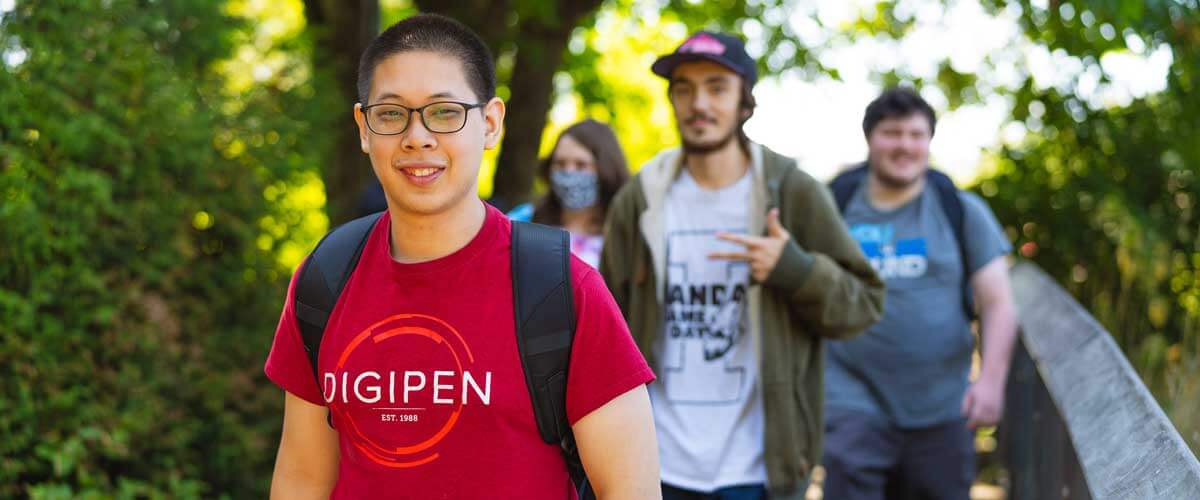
(431, 32)
(897, 102)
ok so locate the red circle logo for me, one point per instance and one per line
(404, 328)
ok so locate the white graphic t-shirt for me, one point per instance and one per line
(707, 406)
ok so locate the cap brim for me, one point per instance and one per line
(664, 65)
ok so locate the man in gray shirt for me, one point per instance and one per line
(900, 408)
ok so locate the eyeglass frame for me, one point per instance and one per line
(420, 112)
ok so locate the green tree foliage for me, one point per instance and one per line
(139, 253)
(1104, 196)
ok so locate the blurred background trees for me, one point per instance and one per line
(164, 166)
(1102, 194)
(149, 183)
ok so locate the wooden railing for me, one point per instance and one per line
(1079, 423)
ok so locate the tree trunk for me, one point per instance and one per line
(532, 84)
(487, 18)
(342, 30)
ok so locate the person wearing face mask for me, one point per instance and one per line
(585, 170)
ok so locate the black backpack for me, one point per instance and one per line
(846, 183)
(543, 309)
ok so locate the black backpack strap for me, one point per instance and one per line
(952, 206)
(544, 312)
(321, 281)
(846, 183)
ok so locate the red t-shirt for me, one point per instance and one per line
(421, 373)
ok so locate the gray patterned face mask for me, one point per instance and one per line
(576, 189)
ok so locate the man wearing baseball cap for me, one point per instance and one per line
(730, 265)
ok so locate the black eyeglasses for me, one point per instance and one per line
(442, 117)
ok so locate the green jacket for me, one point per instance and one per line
(822, 287)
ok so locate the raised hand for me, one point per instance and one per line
(762, 252)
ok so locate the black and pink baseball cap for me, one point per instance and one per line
(726, 50)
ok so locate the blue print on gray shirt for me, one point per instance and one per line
(912, 366)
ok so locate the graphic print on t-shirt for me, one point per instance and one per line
(705, 320)
(419, 407)
(906, 258)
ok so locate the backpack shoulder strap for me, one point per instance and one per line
(321, 281)
(952, 206)
(846, 183)
(545, 320)
(544, 312)
(947, 193)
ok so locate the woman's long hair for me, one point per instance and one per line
(611, 170)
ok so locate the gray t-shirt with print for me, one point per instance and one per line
(912, 366)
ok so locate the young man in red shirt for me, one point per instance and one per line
(422, 392)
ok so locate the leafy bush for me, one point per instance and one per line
(140, 277)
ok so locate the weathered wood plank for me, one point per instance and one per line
(1126, 445)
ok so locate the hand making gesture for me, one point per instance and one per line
(762, 252)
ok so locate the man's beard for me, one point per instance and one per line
(699, 148)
